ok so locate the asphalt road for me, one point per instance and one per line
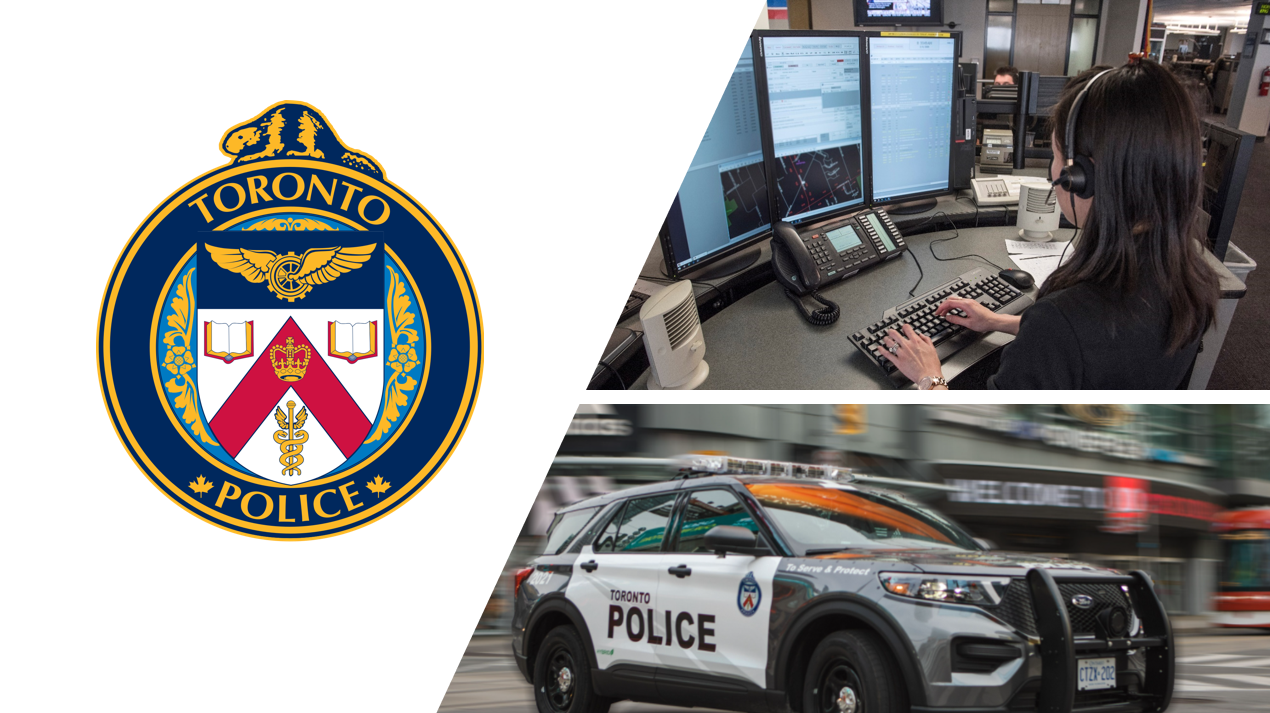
(1224, 671)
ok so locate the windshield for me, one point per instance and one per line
(827, 519)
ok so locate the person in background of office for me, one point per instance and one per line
(1128, 309)
(1006, 75)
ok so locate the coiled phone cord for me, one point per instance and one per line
(823, 317)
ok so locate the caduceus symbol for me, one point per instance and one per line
(290, 438)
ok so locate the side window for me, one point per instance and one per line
(564, 529)
(608, 537)
(643, 524)
(707, 509)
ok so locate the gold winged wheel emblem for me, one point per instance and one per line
(291, 276)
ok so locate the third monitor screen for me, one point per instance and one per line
(911, 95)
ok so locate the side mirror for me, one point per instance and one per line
(729, 538)
(985, 544)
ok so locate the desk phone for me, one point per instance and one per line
(828, 252)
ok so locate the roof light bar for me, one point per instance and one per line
(728, 465)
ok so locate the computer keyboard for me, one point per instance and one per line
(980, 284)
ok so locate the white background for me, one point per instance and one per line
(547, 138)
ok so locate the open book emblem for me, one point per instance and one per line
(228, 341)
(352, 341)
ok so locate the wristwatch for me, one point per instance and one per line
(926, 383)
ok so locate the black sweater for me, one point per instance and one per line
(1084, 337)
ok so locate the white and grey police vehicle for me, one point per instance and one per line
(764, 586)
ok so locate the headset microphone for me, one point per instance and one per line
(1077, 176)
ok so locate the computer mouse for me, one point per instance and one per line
(1018, 278)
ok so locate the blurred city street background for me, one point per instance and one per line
(1125, 486)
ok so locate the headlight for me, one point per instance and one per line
(946, 588)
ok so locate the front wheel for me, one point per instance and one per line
(562, 675)
(851, 672)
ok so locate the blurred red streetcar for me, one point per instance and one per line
(1243, 591)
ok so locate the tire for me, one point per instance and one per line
(852, 672)
(556, 691)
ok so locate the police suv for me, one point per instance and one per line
(762, 586)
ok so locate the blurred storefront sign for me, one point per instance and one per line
(1122, 503)
(602, 428)
(1127, 505)
(1104, 442)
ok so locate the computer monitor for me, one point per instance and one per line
(722, 206)
(902, 13)
(813, 124)
(911, 87)
(1227, 154)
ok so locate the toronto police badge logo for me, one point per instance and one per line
(290, 346)
(748, 595)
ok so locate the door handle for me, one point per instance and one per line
(589, 566)
(681, 571)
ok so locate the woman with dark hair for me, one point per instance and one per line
(1127, 310)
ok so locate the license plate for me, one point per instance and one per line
(1095, 674)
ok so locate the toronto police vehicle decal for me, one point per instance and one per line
(749, 595)
(763, 586)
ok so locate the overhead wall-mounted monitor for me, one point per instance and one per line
(722, 204)
(899, 13)
(813, 85)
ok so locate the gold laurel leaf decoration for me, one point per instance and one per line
(401, 355)
(289, 224)
(180, 361)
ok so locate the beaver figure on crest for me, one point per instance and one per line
(292, 129)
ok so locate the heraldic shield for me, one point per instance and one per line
(315, 345)
(291, 367)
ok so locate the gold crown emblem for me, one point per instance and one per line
(286, 360)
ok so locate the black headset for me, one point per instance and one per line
(1077, 174)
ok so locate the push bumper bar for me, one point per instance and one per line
(1059, 648)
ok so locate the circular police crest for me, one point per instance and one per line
(290, 346)
(748, 595)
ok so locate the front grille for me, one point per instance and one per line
(1015, 608)
(1105, 596)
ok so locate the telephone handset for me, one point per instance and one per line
(797, 268)
(792, 260)
(826, 253)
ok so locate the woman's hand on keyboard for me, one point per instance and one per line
(976, 317)
(914, 355)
